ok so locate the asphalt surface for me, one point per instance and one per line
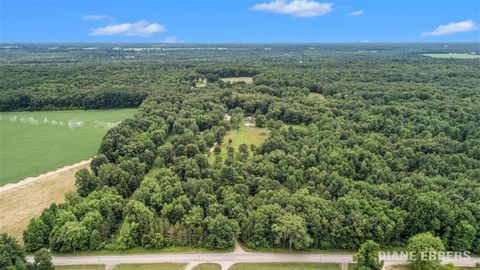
(206, 257)
(228, 258)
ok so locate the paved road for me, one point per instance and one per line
(227, 258)
(210, 257)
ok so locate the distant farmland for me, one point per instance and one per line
(32, 143)
(454, 55)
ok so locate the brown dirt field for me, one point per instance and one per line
(20, 204)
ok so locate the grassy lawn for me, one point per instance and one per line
(174, 249)
(285, 266)
(409, 267)
(208, 266)
(80, 267)
(33, 143)
(290, 251)
(238, 79)
(153, 266)
(454, 55)
(243, 135)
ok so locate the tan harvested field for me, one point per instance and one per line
(20, 204)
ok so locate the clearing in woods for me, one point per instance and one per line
(32, 143)
(244, 135)
(247, 80)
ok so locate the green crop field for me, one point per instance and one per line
(32, 143)
(454, 55)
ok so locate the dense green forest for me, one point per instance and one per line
(366, 143)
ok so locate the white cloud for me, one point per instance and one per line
(299, 8)
(170, 39)
(97, 17)
(356, 13)
(141, 28)
(452, 28)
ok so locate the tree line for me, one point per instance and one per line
(386, 149)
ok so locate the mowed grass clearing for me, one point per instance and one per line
(285, 266)
(153, 266)
(208, 266)
(409, 267)
(398, 267)
(32, 143)
(80, 267)
(247, 80)
(454, 55)
(244, 135)
(138, 250)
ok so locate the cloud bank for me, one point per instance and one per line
(298, 8)
(141, 28)
(452, 28)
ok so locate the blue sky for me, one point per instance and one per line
(239, 21)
